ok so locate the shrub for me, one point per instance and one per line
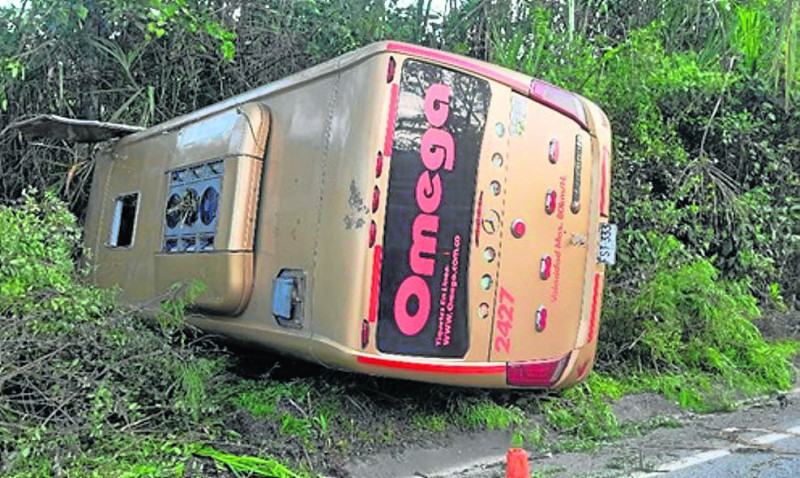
(693, 329)
(38, 279)
(82, 382)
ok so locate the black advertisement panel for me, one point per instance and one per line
(439, 126)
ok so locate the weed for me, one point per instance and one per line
(536, 438)
(261, 398)
(181, 295)
(584, 411)
(195, 378)
(292, 426)
(547, 472)
(248, 464)
(435, 422)
(488, 414)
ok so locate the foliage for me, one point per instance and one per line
(86, 387)
(584, 411)
(37, 272)
(684, 319)
(490, 415)
(252, 465)
(705, 148)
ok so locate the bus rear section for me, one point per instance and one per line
(485, 266)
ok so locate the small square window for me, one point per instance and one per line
(124, 220)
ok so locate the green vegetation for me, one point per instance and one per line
(248, 464)
(702, 97)
(85, 387)
(490, 415)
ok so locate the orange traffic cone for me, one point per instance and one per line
(517, 463)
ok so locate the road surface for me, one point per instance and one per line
(762, 440)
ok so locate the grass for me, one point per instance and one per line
(490, 415)
(252, 465)
(547, 472)
(261, 398)
(434, 422)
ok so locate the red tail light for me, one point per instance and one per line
(373, 233)
(545, 267)
(550, 200)
(364, 334)
(604, 184)
(518, 228)
(535, 374)
(375, 288)
(379, 165)
(390, 70)
(541, 319)
(597, 292)
(562, 101)
(376, 199)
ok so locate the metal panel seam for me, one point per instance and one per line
(323, 170)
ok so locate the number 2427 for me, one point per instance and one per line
(505, 321)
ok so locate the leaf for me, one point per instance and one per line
(228, 50)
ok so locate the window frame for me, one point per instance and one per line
(116, 220)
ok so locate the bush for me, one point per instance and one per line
(83, 384)
(685, 330)
(38, 280)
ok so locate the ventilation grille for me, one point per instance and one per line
(190, 216)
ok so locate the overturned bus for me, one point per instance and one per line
(396, 211)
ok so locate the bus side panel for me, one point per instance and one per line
(131, 169)
(355, 136)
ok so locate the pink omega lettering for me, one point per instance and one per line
(437, 150)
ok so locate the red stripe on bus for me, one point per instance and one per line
(596, 290)
(375, 288)
(432, 367)
(387, 145)
(604, 184)
(491, 73)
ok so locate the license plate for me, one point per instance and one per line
(607, 250)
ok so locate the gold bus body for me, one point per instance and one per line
(303, 167)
